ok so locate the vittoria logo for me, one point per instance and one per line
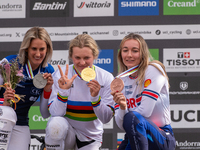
(89, 8)
(81, 5)
(94, 5)
(183, 85)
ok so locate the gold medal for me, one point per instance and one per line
(88, 74)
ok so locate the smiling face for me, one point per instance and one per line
(36, 52)
(82, 58)
(130, 53)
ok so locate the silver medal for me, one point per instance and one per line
(39, 81)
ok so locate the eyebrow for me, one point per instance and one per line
(131, 48)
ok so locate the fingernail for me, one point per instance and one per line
(117, 91)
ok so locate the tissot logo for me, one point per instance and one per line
(49, 8)
(183, 54)
(181, 60)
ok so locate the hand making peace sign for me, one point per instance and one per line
(64, 82)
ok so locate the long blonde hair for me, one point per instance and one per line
(145, 58)
(34, 33)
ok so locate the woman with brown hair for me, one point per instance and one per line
(143, 106)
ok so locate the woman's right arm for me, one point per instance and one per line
(120, 108)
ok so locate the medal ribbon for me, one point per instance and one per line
(29, 70)
(128, 72)
(79, 74)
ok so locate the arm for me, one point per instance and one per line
(60, 92)
(103, 104)
(120, 108)
(45, 95)
(151, 92)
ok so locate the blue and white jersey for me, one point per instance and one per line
(26, 88)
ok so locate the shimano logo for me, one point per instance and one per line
(102, 61)
(138, 4)
(171, 3)
(46, 6)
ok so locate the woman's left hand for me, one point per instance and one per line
(49, 84)
(94, 87)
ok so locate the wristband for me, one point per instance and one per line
(47, 94)
(1, 101)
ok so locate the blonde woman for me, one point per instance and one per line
(79, 108)
(143, 106)
(34, 54)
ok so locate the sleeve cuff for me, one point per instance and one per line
(121, 113)
(95, 99)
(63, 92)
(47, 94)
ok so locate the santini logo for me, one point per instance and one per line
(94, 5)
(171, 3)
(138, 4)
(53, 6)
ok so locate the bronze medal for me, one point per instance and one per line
(117, 85)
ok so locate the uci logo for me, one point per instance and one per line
(183, 85)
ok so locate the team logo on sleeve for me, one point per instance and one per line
(147, 83)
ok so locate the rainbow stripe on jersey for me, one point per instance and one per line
(80, 111)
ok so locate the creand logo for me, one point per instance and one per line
(94, 5)
(49, 6)
(172, 3)
(138, 4)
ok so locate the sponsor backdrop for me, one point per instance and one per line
(170, 27)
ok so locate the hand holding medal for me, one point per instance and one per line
(88, 75)
(64, 82)
(39, 81)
